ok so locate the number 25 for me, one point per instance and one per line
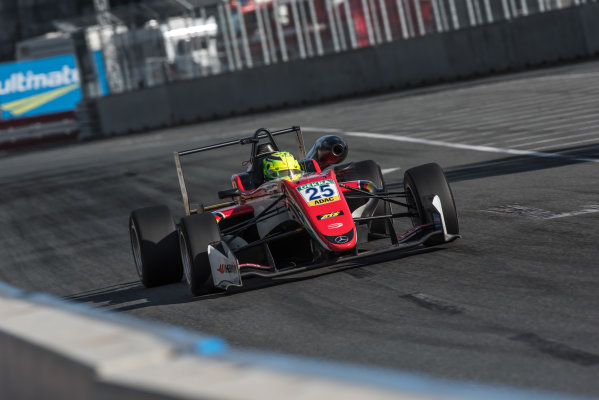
(325, 191)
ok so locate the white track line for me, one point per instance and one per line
(563, 138)
(488, 149)
(570, 143)
(389, 170)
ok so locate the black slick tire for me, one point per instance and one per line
(368, 170)
(421, 184)
(155, 246)
(196, 232)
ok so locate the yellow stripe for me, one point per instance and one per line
(21, 106)
(16, 103)
(37, 97)
(20, 102)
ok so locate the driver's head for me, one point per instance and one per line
(281, 165)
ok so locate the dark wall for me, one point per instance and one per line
(10, 28)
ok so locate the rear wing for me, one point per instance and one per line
(260, 134)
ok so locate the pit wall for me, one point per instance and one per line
(527, 42)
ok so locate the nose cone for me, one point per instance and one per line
(336, 226)
(341, 242)
(324, 211)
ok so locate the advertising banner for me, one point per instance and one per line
(43, 86)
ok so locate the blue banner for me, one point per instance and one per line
(43, 86)
(99, 64)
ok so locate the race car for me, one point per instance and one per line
(325, 212)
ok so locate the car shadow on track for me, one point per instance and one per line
(515, 164)
(132, 295)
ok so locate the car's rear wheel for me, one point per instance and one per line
(421, 184)
(155, 246)
(196, 232)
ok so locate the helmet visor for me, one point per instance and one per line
(289, 174)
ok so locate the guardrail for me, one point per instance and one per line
(54, 349)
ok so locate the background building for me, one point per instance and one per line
(24, 19)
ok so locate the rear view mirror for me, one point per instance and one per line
(223, 194)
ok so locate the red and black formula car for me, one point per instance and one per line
(332, 213)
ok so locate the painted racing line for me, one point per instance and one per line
(463, 146)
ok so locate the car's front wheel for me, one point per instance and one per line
(421, 184)
(196, 232)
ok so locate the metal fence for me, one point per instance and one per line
(229, 36)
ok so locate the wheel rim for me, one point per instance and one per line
(135, 246)
(185, 258)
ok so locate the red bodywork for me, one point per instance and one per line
(316, 201)
(328, 219)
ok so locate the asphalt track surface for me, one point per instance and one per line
(514, 302)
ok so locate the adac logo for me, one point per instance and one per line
(329, 215)
(322, 201)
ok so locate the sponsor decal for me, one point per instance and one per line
(222, 268)
(321, 192)
(335, 225)
(36, 87)
(315, 184)
(341, 239)
(42, 86)
(323, 201)
(329, 215)
(414, 229)
(19, 82)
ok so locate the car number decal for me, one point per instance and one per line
(316, 193)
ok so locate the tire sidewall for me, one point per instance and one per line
(156, 238)
(199, 231)
(423, 182)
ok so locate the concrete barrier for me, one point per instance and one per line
(52, 349)
(527, 42)
(546, 38)
(590, 17)
(135, 111)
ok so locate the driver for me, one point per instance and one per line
(281, 165)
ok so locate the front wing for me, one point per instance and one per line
(413, 238)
